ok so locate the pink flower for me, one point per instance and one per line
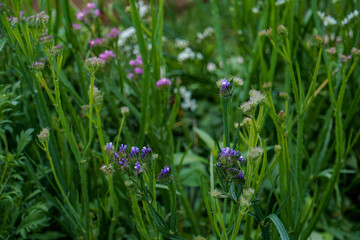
(114, 32)
(90, 6)
(139, 60)
(138, 70)
(107, 54)
(80, 14)
(163, 83)
(132, 63)
(76, 26)
(97, 12)
(130, 75)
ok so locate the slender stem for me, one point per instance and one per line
(119, 132)
(225, 101)
(91, 98)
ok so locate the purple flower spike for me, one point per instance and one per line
(138, 167)
(165, 175)
(145, 152)
(109, 146)
(122, 148)
(134, 150)
(123, 162)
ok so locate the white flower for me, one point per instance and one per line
(187, 103)
(255, 10)
(207, 33)
(181, 43)
(279, 2)
(143, 8)
(327, 20)
(349, 17)
(211, 67)
(124, 35)
(186, 54)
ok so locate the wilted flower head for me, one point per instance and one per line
(38, 65)
(282, 30)
(47, 41)
(55, 50)
(344, 58)
(44, 134)
(165, 175)
(255, 153)
(355, 52)
(93, 64)
(163, 83)
(124, 110)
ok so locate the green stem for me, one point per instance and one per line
(225, 102)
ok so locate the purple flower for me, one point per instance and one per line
(109, 146)
(165, 171)
(133, 62)
(134, 150)
(116, 156)
(122, 148)
(38, 65)
(225, 84)
(145, 151)
(138, 70)
(163, 83)
(138, 167)
(123, 162)
(239, 175)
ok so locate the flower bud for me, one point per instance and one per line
(283, 32)
(38, 65)
(319, 40)
(281, 116)
(93, 64)
(124, 111)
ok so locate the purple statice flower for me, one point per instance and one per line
(123, 162)
(116, 156)
(46, 39)
(225, 87)
(163, 83)
(138, 167)
(93, 64)
(109, 146)
(114, 32)
(165, 175)
(145, 151)
(344, 58)
(240, 175)
(122, 148)
(139, 70)
(107, 54)
(76, 26)
(134, 150)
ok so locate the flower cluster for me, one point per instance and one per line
(114, 32)
(37, 21)
(349, 17)
(137, 64)
(93, 64)
(90, 12)
(187, 103)
(181, 43)
(256, 98)
(189, 54)
(97, 42)
(163, 83)
(208, 32)
(165, 175)
(106, 55)
(38, 65)
(327, 20)
(231, 165)
(225, 87)
(55, 50)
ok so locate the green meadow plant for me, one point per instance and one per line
(269, 153)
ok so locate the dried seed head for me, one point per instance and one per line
(255, 153)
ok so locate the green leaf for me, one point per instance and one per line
(280, 227)
(208, 140)
(23, 140)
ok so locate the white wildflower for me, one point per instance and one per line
(327, 20)
(181, 43)
(124, 35)
(211, 67)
